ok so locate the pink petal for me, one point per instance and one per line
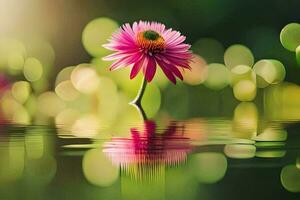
(167, 72)
(150, 69)
(118, 55)
(123, 62)
(136, 68)
(170, 59)
(176, 71)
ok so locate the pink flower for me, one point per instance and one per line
(146, 44)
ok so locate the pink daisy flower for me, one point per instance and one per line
(144, 45)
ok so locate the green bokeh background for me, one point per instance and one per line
(256, 24)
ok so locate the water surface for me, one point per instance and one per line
(199, 158)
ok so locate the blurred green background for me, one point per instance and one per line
(256, 24)
(51, 59)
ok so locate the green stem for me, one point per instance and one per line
(138, 99)
(137, 102)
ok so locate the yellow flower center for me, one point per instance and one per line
(151, 41)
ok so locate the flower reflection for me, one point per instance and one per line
(4, 85)
(149, 149)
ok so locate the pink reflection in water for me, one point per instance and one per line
(147, 147)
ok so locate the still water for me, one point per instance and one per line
(199, 158)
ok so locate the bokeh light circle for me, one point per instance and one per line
(238, 55)
(33, 69)
(244, 90)
(64, 75)
(269, 71)
(218, 76)
(85, 79)
(241, 72)
(21, 91)
(98, 169)
(290, 36)
(96, 33)
(198, 72)
(290, 176)
(209, 167)
(66, 91)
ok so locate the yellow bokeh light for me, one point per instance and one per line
(198, 72)
(66, 91)
(33, 69)
(269, 72)
(21, 91)
(96, 33)
(238, 55)
(218, 76)
(98, 169)
(245, 120)
(280, 71)
(290, 36)
(64, 75)
(244, 90)
(85, 79)
(241, 72)
(209, 167)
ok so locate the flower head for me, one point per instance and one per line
(144, 45)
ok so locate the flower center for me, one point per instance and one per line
(151, 41)
(151, 35)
